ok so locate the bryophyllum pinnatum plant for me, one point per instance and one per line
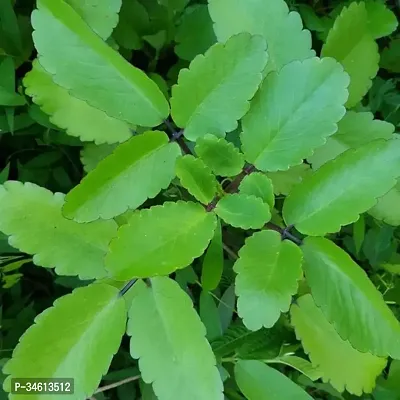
(261, 146)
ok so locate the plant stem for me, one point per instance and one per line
(116, 384)
(127, 287)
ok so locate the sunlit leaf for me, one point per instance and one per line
(268, 273)
(327, 351)
(349, 300)
(179, 232)
(259, 185)
(202, 101)
(168, 338)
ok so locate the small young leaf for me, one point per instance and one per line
(61, 37)
(342, 189)
(196, 178)
(121, 180)
(349, 300)
(282, 30)
(221, 156)
(83, 330)
(259, 185)
(327, 350)
(387, 208)
(284, 181)
(31, 216)
(243, 211)
(268, 273)
(209, 315)
(202, 101)
(258, 381)
(167, 337)
(195, 32)
(354, 130)
(213, 262)
(350, 42)
(89, 123)
(300, 104)
(381, 21)
(160, 240)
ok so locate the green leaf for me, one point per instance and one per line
(121, 180)
(268, 273)
(8, 97)
(221, 156)
(195, 32)
(327, 351)
(342, 189)
(31, 216)
(258, 381)
(89, 123)
(359, 233)
(202, 101)
(10, 33)
(390, 57)
(381, 21)
(259, 185)
(284, 181)
(350, 42)
(283, 31)
(196, 178)
(354, 130)
(243, 211)
(179, 233)
(61, 37)
(83, 330)
(301, 104)
(167, 337)
(387, 208)
(209, 315)
(300, 364)
(92, 154)
(213, 262)
(349, 300)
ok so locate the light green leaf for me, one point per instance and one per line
(259, 185)
(8, 97)
(167, 337)
(243, 211)
(31, 216)
(213, 262)
(349, 300)
(301, 104)
(354, 130)
(221, 156)
(195, 32)
(209, 315)
(202, 101)
(327, 351)
(342, 189)
(89, 123)
(282, 30)
(390, 58)
(121, 180)
(350, 42)
(381, 21)
(179, 232)
(284, 181)
(196, 178)
(387, 208)
(258, 381)
(268, 273)
(92, 154)
(102, 77)
(100, 15)
(300, 364)
(83, 331)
